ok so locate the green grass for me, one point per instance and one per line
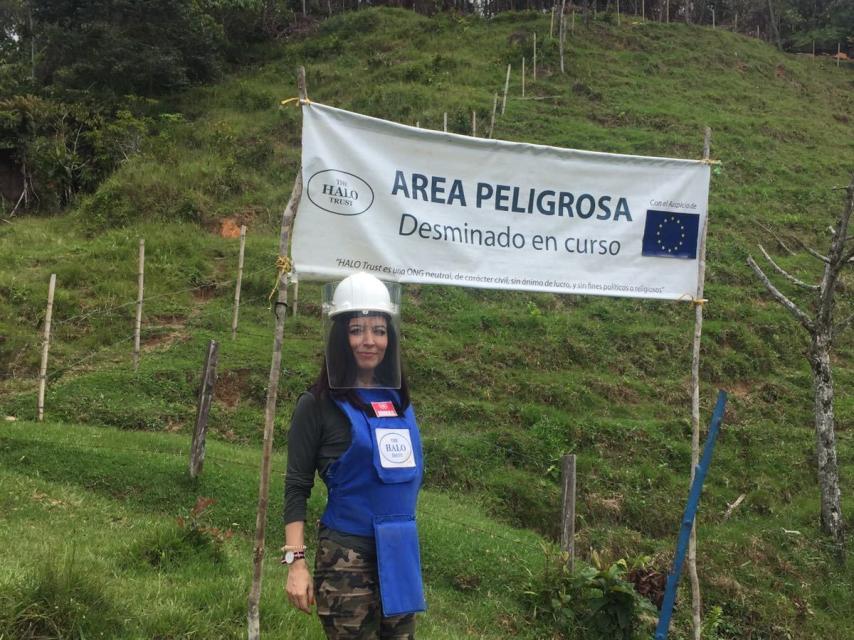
(91, 543)
(504, 383)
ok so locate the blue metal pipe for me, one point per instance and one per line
(688, 519)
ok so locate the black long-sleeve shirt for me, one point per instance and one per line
(319, 435)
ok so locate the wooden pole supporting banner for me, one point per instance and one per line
(445, 122)
(696, 599)
(206, 392)
(567, 538)
(253, 620)
(48, 317)
(140, 286)
(492, 120)
(506, 89)
(474, 124)
(239, 282)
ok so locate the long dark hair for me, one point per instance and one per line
(343, 363)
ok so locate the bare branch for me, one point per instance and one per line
(812, 251)
(786, 274)
(732, 507)
(777, 238)
(794, 309)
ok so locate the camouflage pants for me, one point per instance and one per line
(347, 590)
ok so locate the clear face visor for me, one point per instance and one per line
(362, 337)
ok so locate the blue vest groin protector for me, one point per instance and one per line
(373, 490)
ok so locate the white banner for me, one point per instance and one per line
(414, 205)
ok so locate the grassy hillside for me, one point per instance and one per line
(504, 383)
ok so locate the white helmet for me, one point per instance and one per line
(361, 292)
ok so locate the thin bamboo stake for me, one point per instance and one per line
(46, 345)
(140, 286)
(523, 76)
(253, 621)
(506, 88)
(296, 296)
(562, 34)
(534, 78)
(696, 599)
(445, 122)
(492, 120)
(239, 282)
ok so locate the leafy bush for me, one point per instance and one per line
(594, 603)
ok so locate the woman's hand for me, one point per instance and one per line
(300, 586)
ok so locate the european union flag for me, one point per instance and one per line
(670, 235)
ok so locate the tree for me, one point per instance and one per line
(823, 330)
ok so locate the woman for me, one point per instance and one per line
(356, 428)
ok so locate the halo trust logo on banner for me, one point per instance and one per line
(339, 192)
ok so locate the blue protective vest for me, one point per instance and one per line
(373, 491)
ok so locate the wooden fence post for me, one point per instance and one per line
(474, 124)
(206, 392)
(46, 345)
(506, 88)
(567, 538)
(253, 616)
(141, 284)
(239, 282)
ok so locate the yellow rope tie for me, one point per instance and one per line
(284, 266)
(697, 301)
(300, 101)
(709, 161)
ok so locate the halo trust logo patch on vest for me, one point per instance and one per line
(395, 448)
(339, 192)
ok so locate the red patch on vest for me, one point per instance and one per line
(384, 409)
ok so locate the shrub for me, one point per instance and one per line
(594, 603)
